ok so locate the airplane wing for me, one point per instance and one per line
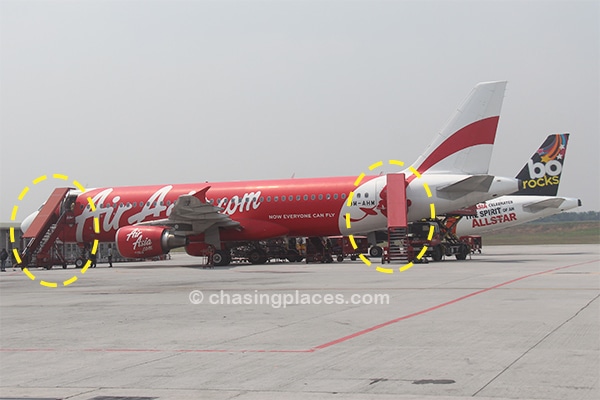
(536, 206)
(474, 183)
(191, 213)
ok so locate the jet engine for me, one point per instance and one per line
(147, 241)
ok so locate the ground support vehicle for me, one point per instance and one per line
(443, 242)
(318, 250)
(342, 247)
(335, 247)
(263, 251)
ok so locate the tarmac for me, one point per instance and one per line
(515, 322)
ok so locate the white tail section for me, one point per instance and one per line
(464, 145)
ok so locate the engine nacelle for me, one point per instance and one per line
(146, 241)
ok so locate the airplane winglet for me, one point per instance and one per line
(201, 194)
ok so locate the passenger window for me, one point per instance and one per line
(358, 195)
(298, 197)
(335, 196)
(305, 197)
(328, 196)
(343, 196)
(282, 198)
(367, 195)
(291, 198)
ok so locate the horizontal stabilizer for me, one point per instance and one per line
(555, 202)
(467, 211)
(475, 183)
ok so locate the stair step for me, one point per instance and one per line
(44, 229)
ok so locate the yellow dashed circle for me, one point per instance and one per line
(13, 217)
(364, 259)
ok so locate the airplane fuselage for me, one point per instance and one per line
(508, 211)
(273, 208)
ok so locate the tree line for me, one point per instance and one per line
(572, 217)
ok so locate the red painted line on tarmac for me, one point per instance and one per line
(310, 350)
(427, 310)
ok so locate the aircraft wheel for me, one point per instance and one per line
(256, 257)
(436, 253)
(292, 255)
(376, 251)
(79, 263)
(221, 258)
(340, 258)
(463, 252)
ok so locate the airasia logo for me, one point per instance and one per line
(246, 202)
(114, 213)
(139, 240)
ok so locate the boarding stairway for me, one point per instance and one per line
(42, 248)
(397, 229)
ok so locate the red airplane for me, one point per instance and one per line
(213, 218)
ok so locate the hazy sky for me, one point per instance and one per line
(141, 92)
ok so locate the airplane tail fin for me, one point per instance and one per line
(541, 175)
(464, 145)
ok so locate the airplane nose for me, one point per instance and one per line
(28, 220)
